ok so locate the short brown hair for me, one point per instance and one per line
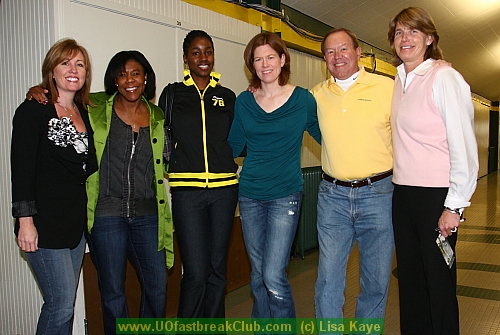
(353, 37)
(415, 18)
(278, 45)
(65, 49)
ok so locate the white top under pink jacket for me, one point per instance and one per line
(432, 123)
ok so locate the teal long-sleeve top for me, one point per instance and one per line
(271, 168)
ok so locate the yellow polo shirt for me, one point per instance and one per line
(355, 126)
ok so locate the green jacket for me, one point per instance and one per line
(100, 120)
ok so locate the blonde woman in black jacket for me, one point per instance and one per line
(52, 155)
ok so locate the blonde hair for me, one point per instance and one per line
(65, 49)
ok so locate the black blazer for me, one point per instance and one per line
(48, 180)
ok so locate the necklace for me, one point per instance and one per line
(131, 116)
(73, 107)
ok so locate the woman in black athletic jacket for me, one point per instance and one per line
(202, 177)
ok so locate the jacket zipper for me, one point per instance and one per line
(203, 119)
(128, 172)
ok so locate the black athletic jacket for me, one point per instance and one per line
(201, 155)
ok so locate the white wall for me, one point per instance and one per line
(25, 36)
(156, 28)
(29, 27)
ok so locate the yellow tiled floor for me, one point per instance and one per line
(478, 264)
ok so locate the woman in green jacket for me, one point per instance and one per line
(128, 212)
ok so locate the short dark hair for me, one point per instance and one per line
(65, 49)
(190, 38)
(415, 18)
(278, 45)
(352, 35)
(117, 65)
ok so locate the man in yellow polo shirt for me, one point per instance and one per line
(355, 195)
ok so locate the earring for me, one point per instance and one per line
(145, 82)
(116, 85)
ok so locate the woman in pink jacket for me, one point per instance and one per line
(435, 172)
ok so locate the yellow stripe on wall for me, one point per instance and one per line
(275, 25)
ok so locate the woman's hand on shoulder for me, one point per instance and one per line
(251, 89)
(27, 237)
(440, 62)
(37, 93)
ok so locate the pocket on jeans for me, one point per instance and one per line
(383, 186)
(324, 186)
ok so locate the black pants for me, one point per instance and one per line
(427, 287)
(203, 220)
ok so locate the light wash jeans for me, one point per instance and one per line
(346, 215)
(57, 272)
(268, 229)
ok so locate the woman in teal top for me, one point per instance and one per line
(272, 166)
(270, 124)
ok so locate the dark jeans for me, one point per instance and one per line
(111, 240)
(203, 220)
(427, 287)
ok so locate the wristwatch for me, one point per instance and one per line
(452, 210)
(458, 211)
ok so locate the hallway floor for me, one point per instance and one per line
(478, 266)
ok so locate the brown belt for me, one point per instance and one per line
(359, 182)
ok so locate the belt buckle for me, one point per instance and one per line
(355, 182)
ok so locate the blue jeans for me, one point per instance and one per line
(346, 215)
(268, 229)
(57, 272)
(111, 240)
(203, 221)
